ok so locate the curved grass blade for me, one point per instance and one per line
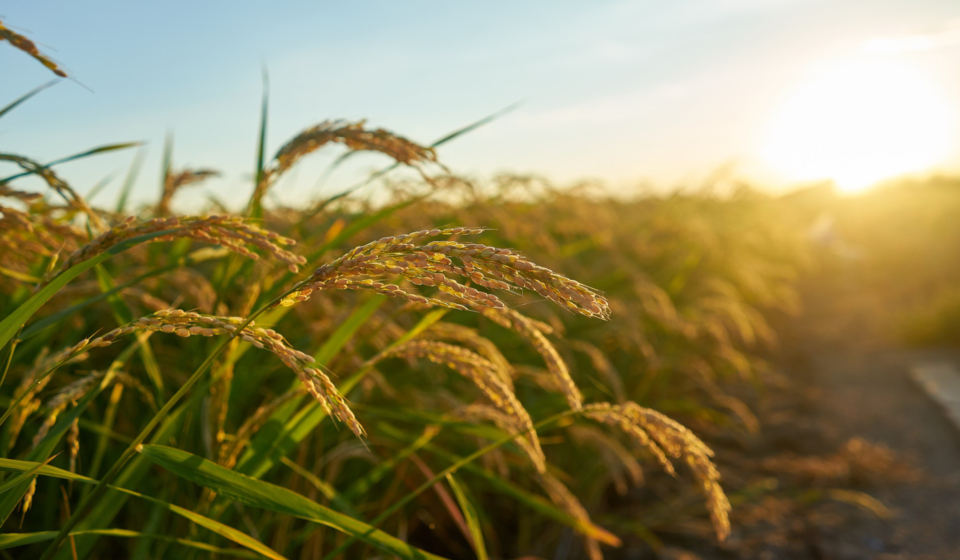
(254, 208)
(347, 329)
(19, 275)
(95, 190)
(10, 106)
(167, 160)
(123, 315)
(12, 323)
(103, 439)
(264, 495)
(363, 484)
(24, 475)
(327, 490)
(521, 495)
(385, 514)
(223, 530)
(10, 540)
(131, 178)
(81, 155)
(278, 432)
(269, 445)
(470, 514)
(425, 323)
(14, 465)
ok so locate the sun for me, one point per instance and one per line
(860, 122)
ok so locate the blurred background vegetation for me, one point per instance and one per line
(702, 285)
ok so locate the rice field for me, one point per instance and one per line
(460, 370)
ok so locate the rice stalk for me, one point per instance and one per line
(484, 375)
(352, 135)
(174, 181)
(233, 233)
(555, 364)
(466, 336)
(57, 184)
(430, 264)
(31, 384)
(665, 438)
(28, 46)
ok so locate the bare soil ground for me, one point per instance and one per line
(848, 398)
(855, 462)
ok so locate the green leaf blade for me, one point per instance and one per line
(257, 493)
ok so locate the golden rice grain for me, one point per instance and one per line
(555, 364)
(56, 183)
(484, 375)
(190, 323)
(28, 46)
(174, 181)
(352, 135)
(431, 264)
(665, 437)
(226, 231)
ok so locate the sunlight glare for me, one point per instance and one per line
(858, 123)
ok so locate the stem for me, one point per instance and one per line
(87, 503)
(13, 346)
(36, 382)
(442, 474)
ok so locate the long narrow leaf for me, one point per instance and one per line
(277, 436)
(347, 329)
(131, 178)
(373, 177)
(271, 444)
(215, 526)
(123, 315)
(470, 514)
(520, 495)
(95, 190)
(326, 489)
(10, 106)
(28, 475)
(425, 323)
(10, 540)
(81, 155)
(362, 485)
(270, 497)
(254, 207)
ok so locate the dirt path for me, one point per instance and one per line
(855, 461)
(853, 381)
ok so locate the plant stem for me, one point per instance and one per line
(442, 474)
(87, 503)
(13, 346)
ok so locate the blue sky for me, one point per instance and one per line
(624, 92)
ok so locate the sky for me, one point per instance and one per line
(663, 93)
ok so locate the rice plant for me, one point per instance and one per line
(430, 387)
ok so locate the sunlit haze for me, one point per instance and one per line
(860, 122)
(658, 93)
